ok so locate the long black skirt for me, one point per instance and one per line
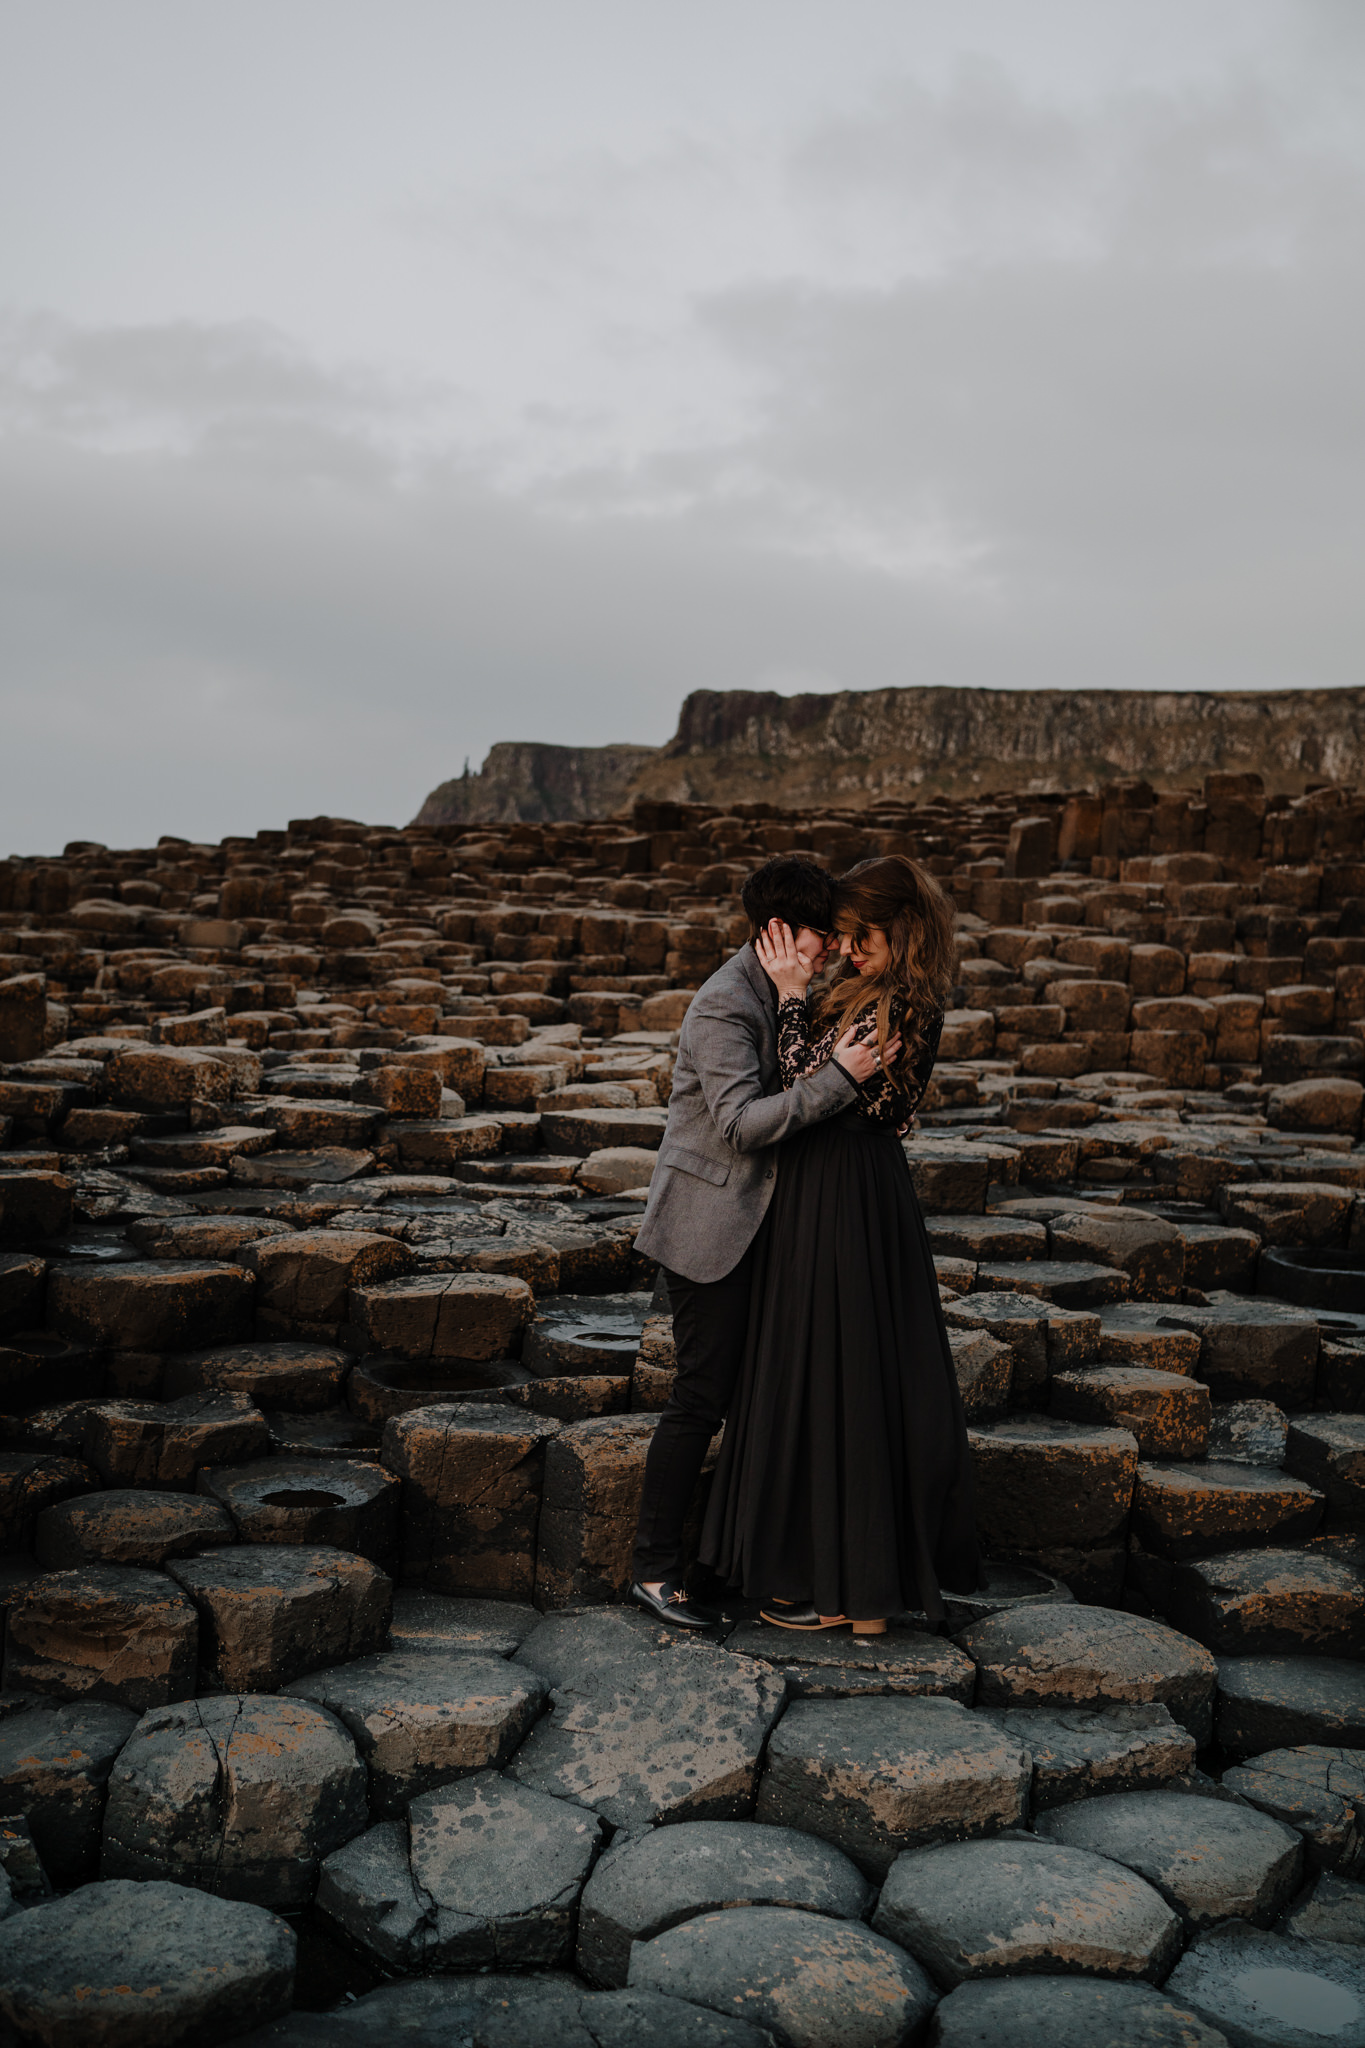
(845, 1476)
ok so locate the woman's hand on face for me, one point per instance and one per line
(776, 950)
(859, 1057)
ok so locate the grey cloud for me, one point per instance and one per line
(1027, 393)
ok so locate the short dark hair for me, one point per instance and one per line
(789, 887)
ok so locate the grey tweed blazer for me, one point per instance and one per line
(727, 1114)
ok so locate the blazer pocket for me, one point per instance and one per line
(697, 1163)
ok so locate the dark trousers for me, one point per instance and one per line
(710, 1321)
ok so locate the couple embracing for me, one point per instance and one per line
(805, 1304)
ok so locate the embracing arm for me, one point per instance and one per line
(795, 1053)
(724, 1049)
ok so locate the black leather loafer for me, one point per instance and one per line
(672, 1606)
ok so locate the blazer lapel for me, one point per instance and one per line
(765, 995)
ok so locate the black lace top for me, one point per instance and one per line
(880, 1098)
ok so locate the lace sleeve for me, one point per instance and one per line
(921, 1071)
(795, 1054)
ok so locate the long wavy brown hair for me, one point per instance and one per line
(894, 894)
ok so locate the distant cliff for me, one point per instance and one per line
(862, 746)
(523, 780)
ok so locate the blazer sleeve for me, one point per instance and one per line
(724, 1049)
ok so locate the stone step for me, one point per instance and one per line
(1191, 1510)
(1165, 1411)
(678, 1873)
(193, 1784)
(1269, 1703)
(1067, 1655)
(1298, 1601)
(1328, 1451)
(1214, 1861)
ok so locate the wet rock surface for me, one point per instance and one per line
(422, 1718)
(647, 1885)
(326, 1356)
(645, 1732)
(1316, 1789)
(1212, 1860)
(1263, 1991)
(1282, 1702)
(1063, 1655)
(814, 1982)
(992, 1909)
(876, 1776)
(484, 1872)
(1067, 2012)
(123, 1963)
(240, 1795)
(55, 1761)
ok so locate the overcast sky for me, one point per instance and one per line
(383, 378)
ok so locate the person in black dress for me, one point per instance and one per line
(843, 1493)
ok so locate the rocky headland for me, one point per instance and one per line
(863, 747)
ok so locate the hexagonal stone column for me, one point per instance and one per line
(1066, 1656)
(1265, 1992)
(423, 1719)
(342, 1501)
(1332, 1910)
(497, 2009)
(31, 1482)
(1147, 1248)
(1041, 1483)
(584, 1333)
(444, 1315)
(1253, 1349)
(616, 2019)
(996, 1909)
(876, 1776)
(241, 1795)
(1298, 1212)
(380, 1388)
(1273, 1601)
(150, 1304)
(55, 1762)
(1319, 1791)
(594, 1473)
(1068, 2012)
(304, 1278)
(1198, 1510)
(1329, 1452)
(472, 1479)
(1212, 1860)
(1283, 1702)
(103, 1632)
(829, 1666)
(296, 1379)
(1165, 1411)
(486, 1872)
(645, 1728)
(270, 1612)
(130, 1528)
(441, 1625)
(815, 1982)
(644, 1886)
(130, 1965)
(165, 1443)
(1079, 1751)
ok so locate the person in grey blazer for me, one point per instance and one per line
(709, 1197)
